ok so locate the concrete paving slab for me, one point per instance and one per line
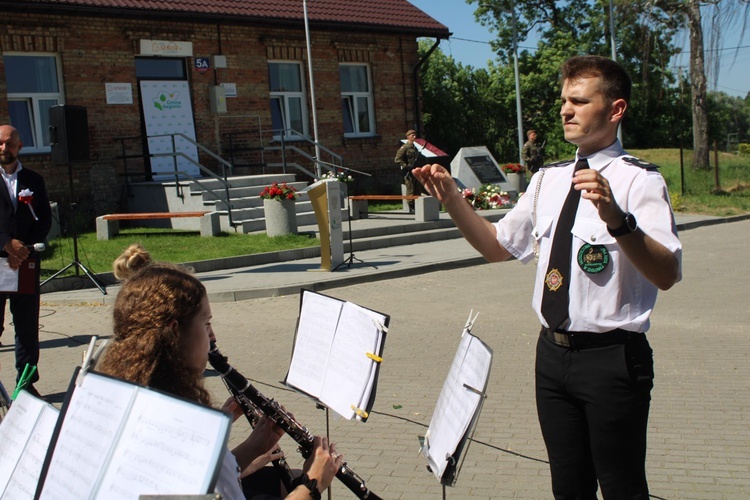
(699, 430)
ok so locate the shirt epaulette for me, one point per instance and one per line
(640, 163)
(558, 164)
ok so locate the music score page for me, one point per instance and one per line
(118, 440)
(335, 351)
(458, 402)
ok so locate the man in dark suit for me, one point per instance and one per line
(23, 222)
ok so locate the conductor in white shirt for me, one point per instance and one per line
(605, 236)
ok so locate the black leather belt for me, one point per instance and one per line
(586, 340)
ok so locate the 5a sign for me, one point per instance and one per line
(202, 64)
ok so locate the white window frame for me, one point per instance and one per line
(284, 98)
(33, 99)
(353, 100)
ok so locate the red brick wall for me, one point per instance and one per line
(96, 50)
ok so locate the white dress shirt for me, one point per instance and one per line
(11, 183)
(619, 296)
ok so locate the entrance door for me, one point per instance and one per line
(167, 109)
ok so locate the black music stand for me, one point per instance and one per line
(351, 259)
(76, 263)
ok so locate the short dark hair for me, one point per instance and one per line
(616, 83)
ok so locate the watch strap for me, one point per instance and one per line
(629, 225)
(310, 484)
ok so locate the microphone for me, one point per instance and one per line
(37, 247)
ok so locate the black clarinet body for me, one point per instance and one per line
(253, 414)
(240, 385)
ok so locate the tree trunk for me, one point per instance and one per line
(699, 103)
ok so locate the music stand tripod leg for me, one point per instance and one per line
(350, 260)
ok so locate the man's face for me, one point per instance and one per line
(532, 136)
(411, 137)
(10, 145)
(586, 116)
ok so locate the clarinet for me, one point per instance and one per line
(283, 419)
(253, 414)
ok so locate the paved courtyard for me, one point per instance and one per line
(699, 430)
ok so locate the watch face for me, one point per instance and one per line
(630, 222)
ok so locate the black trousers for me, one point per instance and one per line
(593, 409)
(24, 309)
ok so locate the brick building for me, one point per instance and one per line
(122, 60)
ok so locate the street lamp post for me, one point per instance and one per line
(614, 51)
(312, 93)
(519, 116)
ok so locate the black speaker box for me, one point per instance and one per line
(69, 134)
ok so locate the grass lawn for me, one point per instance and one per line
(701, 193)
(700, 196)
(168, 245)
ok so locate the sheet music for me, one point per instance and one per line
(119, 440)
(318, 320)
(457, 405)
(8, 277)
(349, 369)
(15, 431)
(163, 450)
(97, 410)
(22, 485)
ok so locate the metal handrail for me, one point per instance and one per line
(174, 154)
(298, 136)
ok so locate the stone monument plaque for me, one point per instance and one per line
(472, 167)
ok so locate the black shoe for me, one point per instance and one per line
(32, 390)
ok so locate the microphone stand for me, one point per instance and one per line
(350, 260)
(77, 264)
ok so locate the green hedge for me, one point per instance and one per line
(743, 149)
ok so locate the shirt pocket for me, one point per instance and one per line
(592, 231)
(542, 229)
(589, 234)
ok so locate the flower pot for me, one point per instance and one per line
(281, 217)
(518, 181)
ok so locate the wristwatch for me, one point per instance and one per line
(629, 225)
(310, 484)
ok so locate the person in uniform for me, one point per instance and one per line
(604, 233)
(532, 153)
(406, 159)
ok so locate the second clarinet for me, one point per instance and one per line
(283, 419)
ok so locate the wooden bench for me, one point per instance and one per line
(426, 208)
(108, 226)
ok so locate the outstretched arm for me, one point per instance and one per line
(479, 232)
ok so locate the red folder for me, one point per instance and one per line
(27, 276)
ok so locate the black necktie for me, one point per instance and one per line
(555, 298)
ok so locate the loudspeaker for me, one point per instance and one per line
(69, 134)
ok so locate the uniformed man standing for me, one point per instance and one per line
(532, 153)
(605, 236)
(406, 159)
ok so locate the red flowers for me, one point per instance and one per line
(513, 168)
(278, 191)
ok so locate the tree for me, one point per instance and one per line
(723, 16)
(581, 27)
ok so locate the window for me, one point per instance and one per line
(288, 104)
(356, 100)
(34, 83)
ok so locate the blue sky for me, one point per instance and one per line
(467, 48)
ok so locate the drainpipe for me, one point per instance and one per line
(418, 124)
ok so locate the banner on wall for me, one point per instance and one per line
(167, 110)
